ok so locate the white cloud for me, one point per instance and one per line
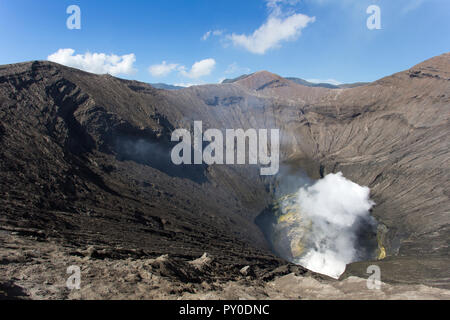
(212, 32)
(278, 28)
(276, 6)
(100, 63)
(163, 69)
(330, 81)
(186, 85)
(272, 33)
(199, 69)
(206, 35)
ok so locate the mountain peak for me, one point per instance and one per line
(262, 79)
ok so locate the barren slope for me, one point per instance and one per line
(84, 160)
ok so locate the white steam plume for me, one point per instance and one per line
(324, 233)
(335, 206)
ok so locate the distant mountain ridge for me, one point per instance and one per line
(300, 81)
(165, 86)
(305, 82)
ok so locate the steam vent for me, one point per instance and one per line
(86, 180)
(324, 225)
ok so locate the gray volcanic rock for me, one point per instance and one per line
(84, 159)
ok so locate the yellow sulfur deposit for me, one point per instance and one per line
(297, 248)
(381, 233)
(382, 253)
(288, 217)
(291, 227)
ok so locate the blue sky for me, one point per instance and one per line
(168, 41)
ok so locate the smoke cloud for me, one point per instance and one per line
(325, 225)
(337, 208)
(156, 154)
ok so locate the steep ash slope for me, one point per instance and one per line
(84, 158)
(392, 136)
